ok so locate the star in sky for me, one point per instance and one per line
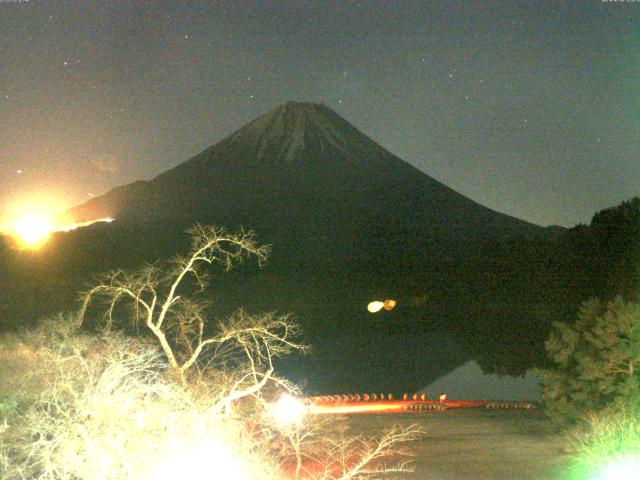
(183, 99)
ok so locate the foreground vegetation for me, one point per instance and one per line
(595, 362)
(592, 388)
(183, 397)
(478, 444)
(155, 366)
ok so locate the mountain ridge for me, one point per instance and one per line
(302, 165)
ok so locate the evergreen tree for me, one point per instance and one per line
(595, 361)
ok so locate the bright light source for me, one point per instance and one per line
(376, 306)
(623, 469)
(32, 229)
(30, 220)
(389, 304)
(288, 411)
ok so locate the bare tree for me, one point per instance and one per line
(371, 457)
(106, 398)
(323, 449)
(178, 320)
(105, 410)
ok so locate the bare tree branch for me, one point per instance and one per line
(178, 322)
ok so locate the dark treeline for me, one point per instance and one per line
(518, 287)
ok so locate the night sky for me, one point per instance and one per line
(530, 108)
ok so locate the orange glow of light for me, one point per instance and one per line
(389, 304)
(30, 221)
(361, 407)
(33, 229)
(377, 305)
(389, 406)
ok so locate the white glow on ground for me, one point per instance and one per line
(624, 469)
(207, 459)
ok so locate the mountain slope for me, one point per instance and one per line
(303, 173)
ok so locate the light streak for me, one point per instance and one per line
(74, 226)
(358, 408)
(33, 229)
(389, 406)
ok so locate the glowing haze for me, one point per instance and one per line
(33, 230)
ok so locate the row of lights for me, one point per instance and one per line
(377, 305)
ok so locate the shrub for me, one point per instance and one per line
(595, 362)
(109, 411)
(607, 445)
(107, 408)
(112, 406)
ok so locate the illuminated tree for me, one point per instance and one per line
(596, 361)
(160, 299)
(322, 448)
(106, 408)
(363, 458)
